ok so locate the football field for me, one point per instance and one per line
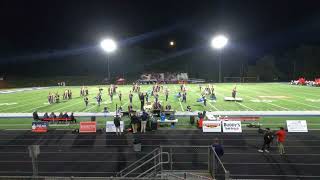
(256, 97)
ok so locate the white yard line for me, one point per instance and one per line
(179, 99)
(245, 106)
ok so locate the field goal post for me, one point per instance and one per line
(250, 79)
(232, 79)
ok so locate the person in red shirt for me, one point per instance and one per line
(281, 137)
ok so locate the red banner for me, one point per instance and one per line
(88, 127)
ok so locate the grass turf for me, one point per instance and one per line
(256, 97)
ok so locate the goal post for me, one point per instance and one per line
(250, 79)
(232, 79)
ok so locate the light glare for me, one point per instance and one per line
(219, 42)
(108, 45)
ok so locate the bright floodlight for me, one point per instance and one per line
(219, 42)
(108, 45)
(171, 43)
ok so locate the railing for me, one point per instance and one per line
(146, 166)
(216, 167)
(193, 160)
(149, 155)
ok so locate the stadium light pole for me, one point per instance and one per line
(219, 42)
(109, 46)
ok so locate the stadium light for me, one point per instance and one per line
(219, 42)
(109, 46)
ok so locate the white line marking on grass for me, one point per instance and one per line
(179, 99)
(278, 106)
(245, 106)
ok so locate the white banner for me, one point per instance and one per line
(232, 126)
(110, 127)
(297, 126)
(211, 126)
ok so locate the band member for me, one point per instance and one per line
(204, 100)
(184, 97)
(156, 96)
(130, 97)
(167, 94)
(234, 92)
(99, 99)
(120, 96)
(86, 101)
(147, 97)
(111, 96)
(87, 91)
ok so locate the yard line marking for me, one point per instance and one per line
(245, 106)
(179, 100)
(296, 101)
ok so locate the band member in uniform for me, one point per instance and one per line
(120, 96)
(86, 101)
(184, 97)
(130, 97)
(204, 100)
(147, 97)
(142, 101)
(111, 96)
(234, 92)
(167, 94)
(99, 99)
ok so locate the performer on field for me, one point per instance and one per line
(167, 94)
(130, 97)
(86, 101)
(120, 96)
(234, 92)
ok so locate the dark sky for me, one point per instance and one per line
(255, 26)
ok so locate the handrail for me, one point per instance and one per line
(148, 162)
(120, 173)
(164, 162)
(199, 176)
(224, 169)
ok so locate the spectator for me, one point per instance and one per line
(52, 115)
(65, 115)
(218, 148)
(281, 137)
(134, 123)
(116, 122)
(35, 116)
(60, 115)
(144, 119)
(73, 119)
(268, 137)
(45, 116)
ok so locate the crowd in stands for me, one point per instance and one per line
(303, 81)
(62, 117)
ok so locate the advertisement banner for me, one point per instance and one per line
(40, 127)
(232, 126)
(211, 126)
(88, 127)
(110, 127)
(297, 126)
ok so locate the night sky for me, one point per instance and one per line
(58, 29)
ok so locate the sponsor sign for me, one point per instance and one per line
(110, 127)
(232, 126)
(297, 126)
(88, 127)
(211, 126)
(39, 127)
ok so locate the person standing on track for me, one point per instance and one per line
(267, 137)
(281, 137)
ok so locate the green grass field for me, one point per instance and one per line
(256, 97)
